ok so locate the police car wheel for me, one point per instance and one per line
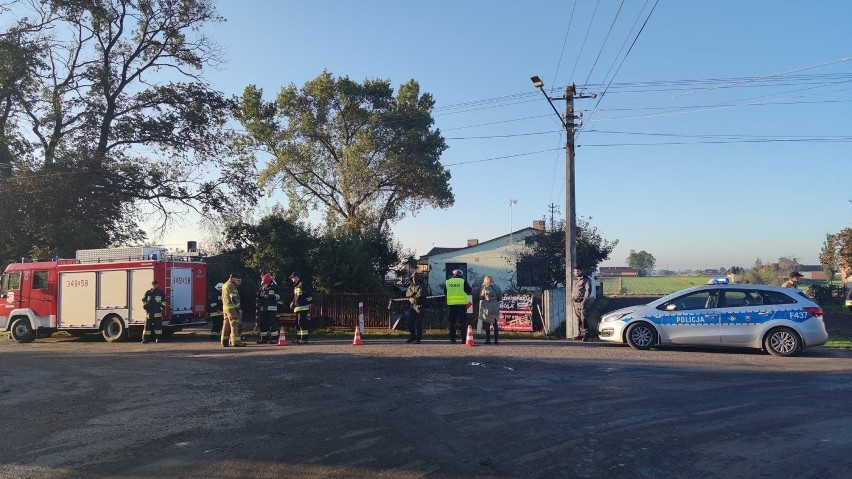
(782, 342)
(22, 332)
(113, 329)
(641, 336)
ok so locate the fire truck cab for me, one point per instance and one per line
(101, 290)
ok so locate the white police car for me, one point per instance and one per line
(780, 320)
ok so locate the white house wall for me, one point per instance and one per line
(496, 257)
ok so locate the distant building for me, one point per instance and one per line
(813, 272)
(616, 271)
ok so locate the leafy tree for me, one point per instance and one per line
(344, 262)
(829, 256)
(278, 244)
(761, 274)
(545, 258)
(363, 155)
(17, 65)
(102, 113)
(787, 265)
(844, 241)
(642, 261)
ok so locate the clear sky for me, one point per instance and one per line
(723, 136)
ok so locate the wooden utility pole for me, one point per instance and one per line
(571, 327)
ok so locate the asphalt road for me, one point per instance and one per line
(550, 409)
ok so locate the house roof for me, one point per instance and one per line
(437, 250)
(809, 267)
(441, 250)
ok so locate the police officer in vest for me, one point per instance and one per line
(457, 291)
(302, 297)
(214, 311)
(154, 303)
(267, 309)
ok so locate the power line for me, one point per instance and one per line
(585, 38)
(564, 42)
(501, 157)
(603, 45)
(635, 39)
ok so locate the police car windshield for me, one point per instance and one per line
(670, 297)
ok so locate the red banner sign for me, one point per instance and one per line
(516, 312)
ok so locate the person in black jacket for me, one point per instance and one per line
(416, 298)
(154, 303)
(214, 311)
(268, 297)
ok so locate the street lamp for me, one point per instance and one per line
(571, 329)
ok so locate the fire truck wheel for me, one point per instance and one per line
(113, 329)
(22, 331)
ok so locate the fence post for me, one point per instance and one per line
(361, 316)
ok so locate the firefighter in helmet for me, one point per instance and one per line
(214, 310)
(302, 297)
(233, 312)
(154, 303)
(267, 309)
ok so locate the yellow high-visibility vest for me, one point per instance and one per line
(455, 292)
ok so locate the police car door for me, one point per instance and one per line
(692, 318)
(742, 314)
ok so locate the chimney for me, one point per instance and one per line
(472, 242)
(538, 224)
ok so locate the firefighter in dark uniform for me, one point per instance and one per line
(154, 303)
(214, 310)
(267, 309)
(302, 297)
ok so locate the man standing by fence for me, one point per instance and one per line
(580, 294)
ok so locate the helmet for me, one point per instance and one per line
(294, 274)
(266, 278)
(218, 286)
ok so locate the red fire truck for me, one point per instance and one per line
(100, 290)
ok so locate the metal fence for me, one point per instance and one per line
(340, 310)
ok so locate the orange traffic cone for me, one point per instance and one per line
(357, 341)
(282, 338)
(469, 341)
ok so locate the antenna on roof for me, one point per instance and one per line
(512, 202)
